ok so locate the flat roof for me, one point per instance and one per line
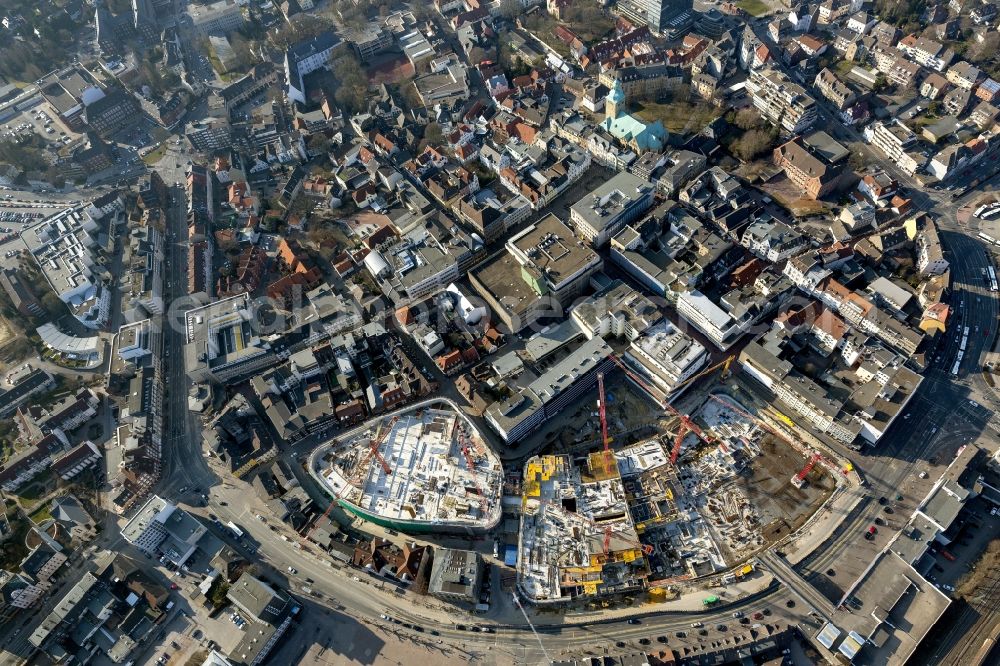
(826, 147)
(500, 275)
(608, 200)
(564, 374)
(897, 609)
(551, 339)
(552, 248)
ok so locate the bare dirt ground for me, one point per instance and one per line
(782, 506)
(790, 196)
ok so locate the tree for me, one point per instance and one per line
(352, 93)
(433, 136)
(318, 143)
(477, 55)
(754, 142)
(984, 50)
(55, 307)
(241, 51)
(747, 119)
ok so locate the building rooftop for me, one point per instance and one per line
(551, 254)
(897, 609)
(609, 199)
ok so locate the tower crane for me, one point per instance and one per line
(373, 452)
(602, 408)
(799, 479)
(464, 443)
(687, 425)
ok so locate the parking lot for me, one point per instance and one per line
(40, 119)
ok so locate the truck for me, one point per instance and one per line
(234, 528)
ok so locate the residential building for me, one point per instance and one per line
(930, 253)
(834, 90)
(926, 52)
(773, 240)
(964, 75)
(808, 169)
(894, 140)
(781, 102)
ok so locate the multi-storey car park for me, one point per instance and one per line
(422, 470)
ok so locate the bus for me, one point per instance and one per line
(965, 341)
(992, 275)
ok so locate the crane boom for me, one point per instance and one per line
(602, 408)
(373, 447)
(799, 479)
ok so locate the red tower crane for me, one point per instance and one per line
(687, 425)
(471, 464)
(604, 423)
(373, 452)
(799, 479)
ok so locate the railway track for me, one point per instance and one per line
(973, 628)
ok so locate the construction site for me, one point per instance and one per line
(427, 470)
(696, 498)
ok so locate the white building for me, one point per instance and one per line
(720, 327)
(305, 58)
(217, 18)
(63, 245)
(666, 357)
(782, 102)
(159, 527)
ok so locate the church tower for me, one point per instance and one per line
(614, 101)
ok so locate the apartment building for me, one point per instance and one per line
(834, 90)
(895, 141)
(783, 103)
(926, 52)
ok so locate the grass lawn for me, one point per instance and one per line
(41, 514)
(753, 7)
(844, 67)
(677, 117)
(156, 154)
